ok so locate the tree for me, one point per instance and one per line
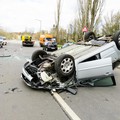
(62, 33)
(111, 23)
(57, 20)
(7, 34)
(90, 13)
(53, 31)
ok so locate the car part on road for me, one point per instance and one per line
(5, 55)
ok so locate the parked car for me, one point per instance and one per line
(73, 66)
(4, 40)
(1, 42)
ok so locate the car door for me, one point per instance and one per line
(94, 69)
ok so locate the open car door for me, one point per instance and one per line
(94, 71)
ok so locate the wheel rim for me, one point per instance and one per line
(67, 65)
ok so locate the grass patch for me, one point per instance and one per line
(59, 46)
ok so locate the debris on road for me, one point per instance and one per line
(5, 55)
(11, 90)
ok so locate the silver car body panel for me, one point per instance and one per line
(105, 55)
(105, 51)
(98, 67)
(93, 69)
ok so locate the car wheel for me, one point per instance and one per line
(22, 44)
(56, 48)
(45, 48)
(38, 53)
(32, 45)
(41, 45)
(65, 65)
(89, 36)
(116, 39)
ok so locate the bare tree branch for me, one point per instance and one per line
(58, 13)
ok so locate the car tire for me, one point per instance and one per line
(65, 65)
(41, 45)
(89, 36)
(38, 53)
(116, 39)
(45, 48)
(22, 44)
(56, 48)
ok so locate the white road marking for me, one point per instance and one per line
(69, 112)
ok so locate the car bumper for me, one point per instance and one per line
(26, 77)
(28, 43)
(52, 47)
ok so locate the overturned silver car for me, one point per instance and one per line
(73, 66)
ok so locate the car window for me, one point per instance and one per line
(49, 39)
(108, 81)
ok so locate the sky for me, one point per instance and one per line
(21, 15)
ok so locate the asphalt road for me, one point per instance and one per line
(19, 102)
